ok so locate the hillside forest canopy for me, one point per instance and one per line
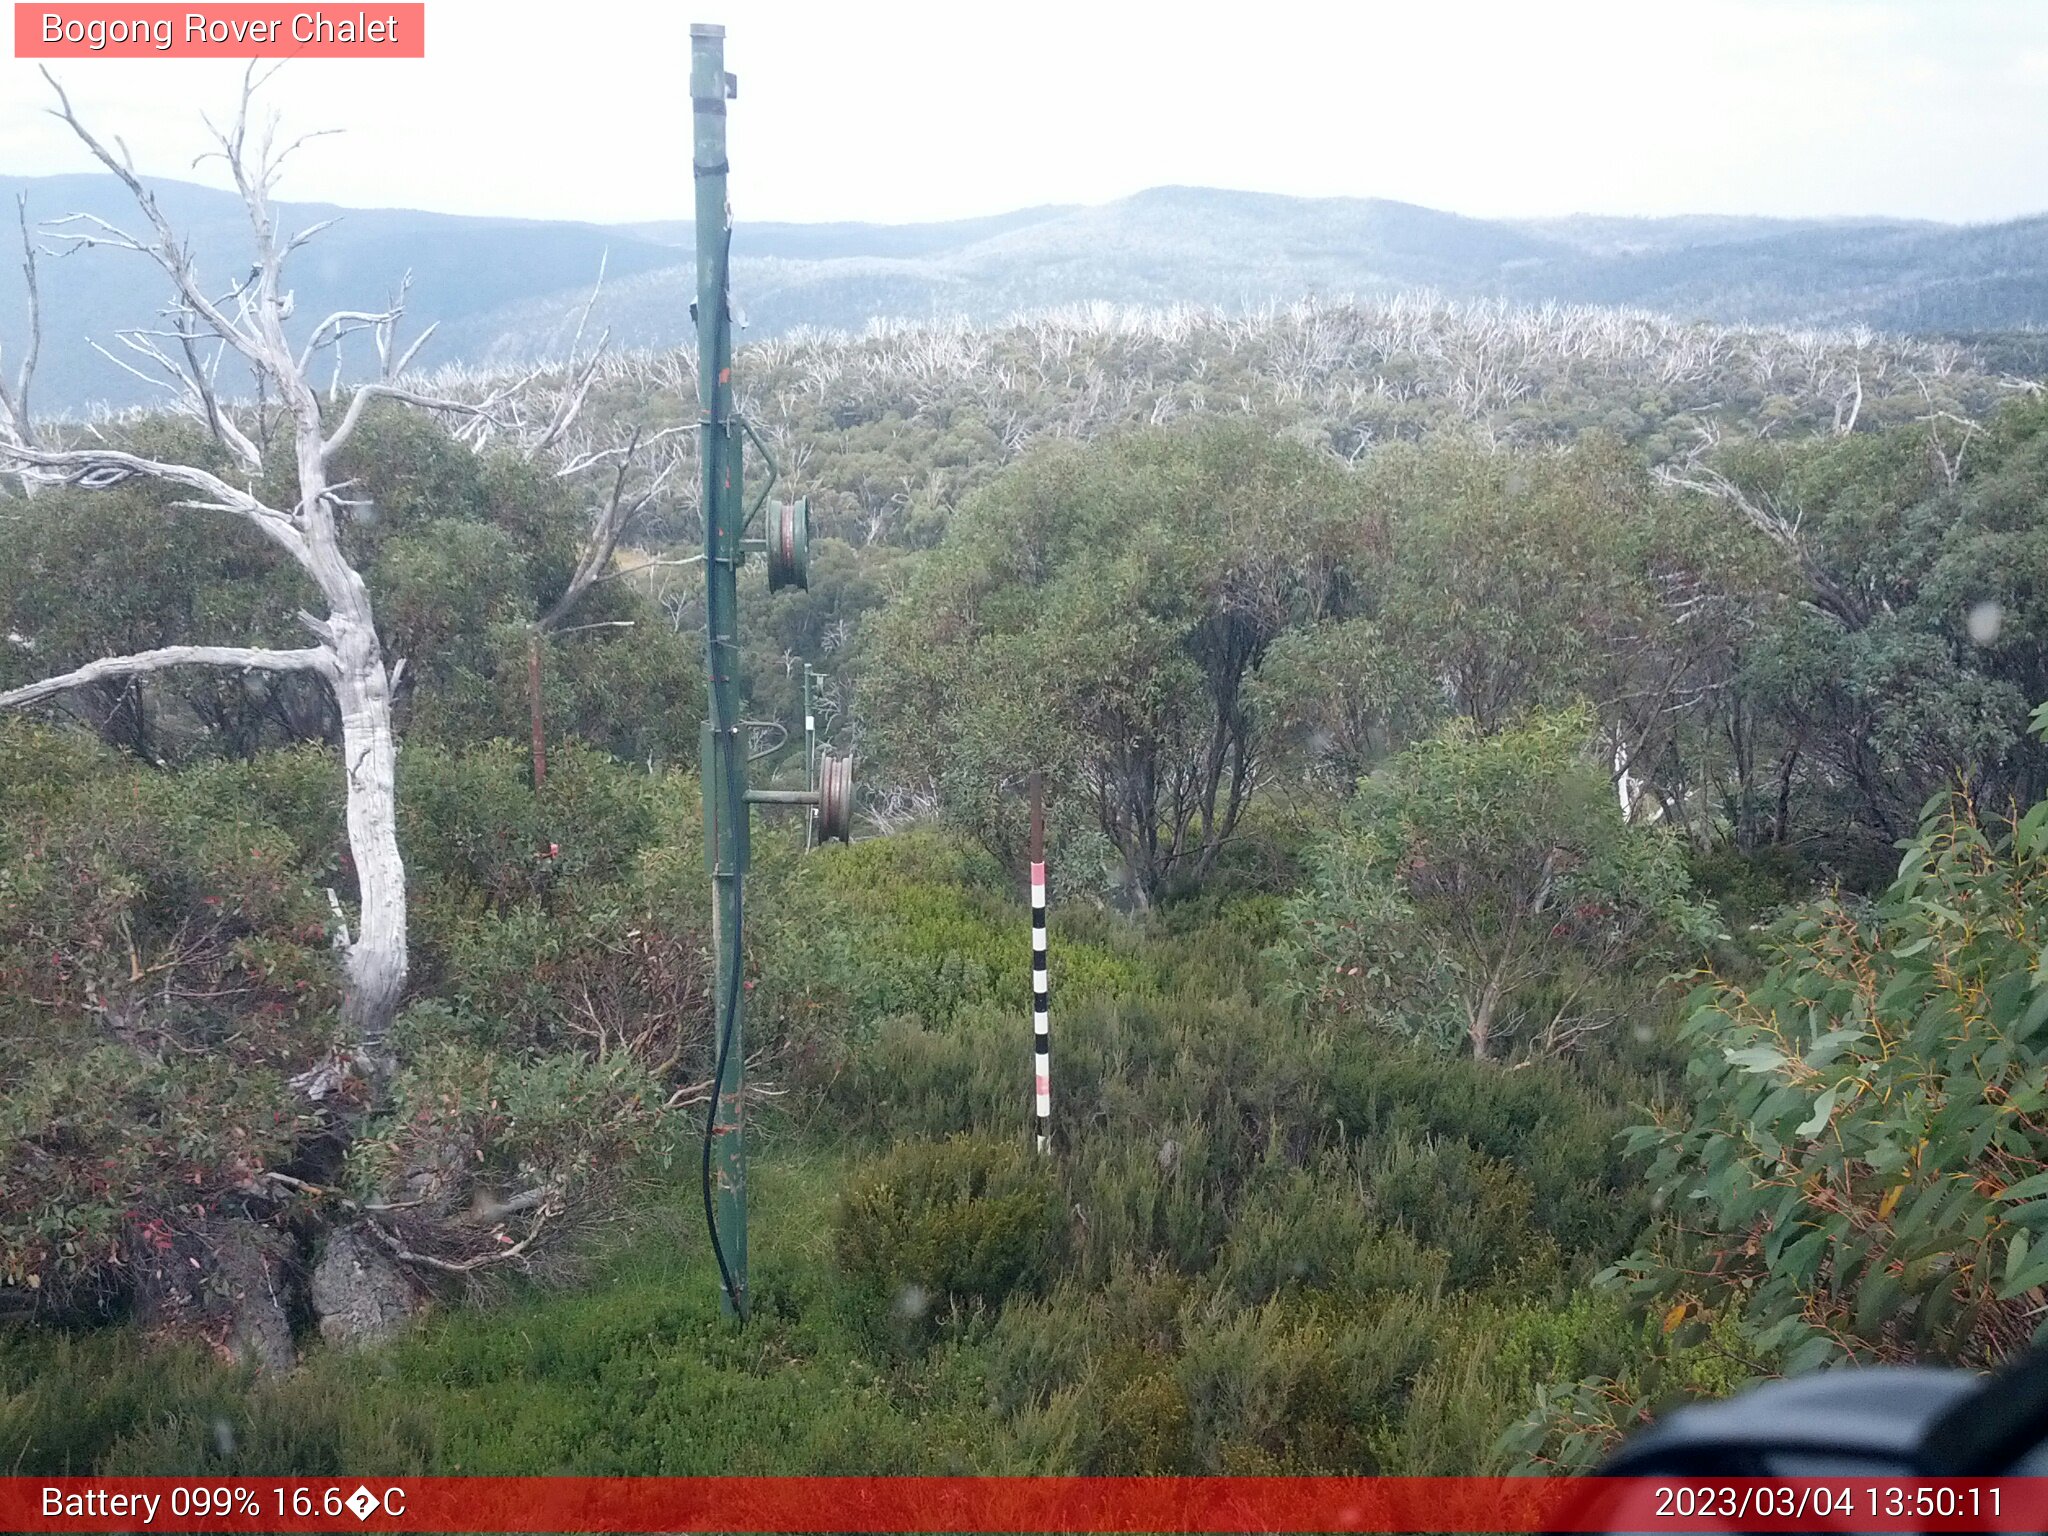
(1547, 827)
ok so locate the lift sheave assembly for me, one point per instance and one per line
(785, 541)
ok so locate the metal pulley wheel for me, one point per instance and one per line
(789, 546)
(835, 797)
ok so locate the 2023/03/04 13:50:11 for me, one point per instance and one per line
(1821, 1498)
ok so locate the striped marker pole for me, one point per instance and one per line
(1041, 1019)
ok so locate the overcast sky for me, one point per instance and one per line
(889, 110)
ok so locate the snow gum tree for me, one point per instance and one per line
(244, 324)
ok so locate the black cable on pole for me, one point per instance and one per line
(722, 320)
(732, 1005)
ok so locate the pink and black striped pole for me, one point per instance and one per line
(1041, 1018)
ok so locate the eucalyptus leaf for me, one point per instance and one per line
(1758, 1058)
(1823, 1111)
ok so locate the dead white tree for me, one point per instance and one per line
(15, 422)
(246, 322)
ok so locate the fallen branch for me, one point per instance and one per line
(406, 1255)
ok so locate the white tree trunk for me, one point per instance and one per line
(377, 959)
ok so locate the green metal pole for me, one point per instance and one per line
(724, 761)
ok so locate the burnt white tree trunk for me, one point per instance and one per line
(248, 321)
(362, 688)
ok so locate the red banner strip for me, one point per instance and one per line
(1021, 1504)
(381, 30)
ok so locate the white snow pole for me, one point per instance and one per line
(1041, 1019)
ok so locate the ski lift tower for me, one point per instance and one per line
(727, 799)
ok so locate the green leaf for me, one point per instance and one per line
(1823, 1112)
(2028, 835)
(2026, 1189)
(2030, 1275)
(2015, 1255)
(1876, 1301)
(1757, 1058)
(1801, 1259)
(1827, 1047)
(2031, 1020)
(1813, 1353)
(1777, 1105)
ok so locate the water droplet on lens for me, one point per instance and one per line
(1985, 621)
(912, 1301)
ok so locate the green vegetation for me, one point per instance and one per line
(1389, 790)
(1859, 1170)
(1277, 1249)
(1486, 889)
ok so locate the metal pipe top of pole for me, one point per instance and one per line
(710, 86)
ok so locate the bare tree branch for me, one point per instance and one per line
(99, 469)
(604, 539)
(315, 659)
(511, 1253)
(169, 252)
(1763, 513)
(577, 629)
(620, 572)
(590, 303)
(339, 324)
(365, 393)
(19, 425)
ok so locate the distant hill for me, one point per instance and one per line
(851, 239)
(461, 268)
(507, 289)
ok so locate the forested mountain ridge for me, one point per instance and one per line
(509, 290)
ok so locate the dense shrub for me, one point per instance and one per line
(1865, 1144)
(1486, 894)
(163, 970)
(167, 966)
(933, 1231)
(1858, 1170)
(479, 838)
(1557, 1130)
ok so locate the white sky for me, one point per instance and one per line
(892, 110)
